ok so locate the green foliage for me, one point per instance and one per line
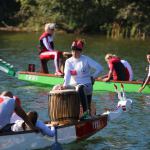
(116, 18)
(8, 9)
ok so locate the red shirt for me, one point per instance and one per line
(118, 69)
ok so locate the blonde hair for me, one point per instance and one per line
(49, 26)
(107, 56)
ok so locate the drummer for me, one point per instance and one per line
(78, 74)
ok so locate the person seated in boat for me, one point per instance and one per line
(117, 70)
(7, 106)
(20, 125)
(79, 75)
(147, 80)
(47, 49)
(129, 70)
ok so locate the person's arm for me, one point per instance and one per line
(47, 44)
(98, 68)
(67, 74)
(145, 83)
(50, 131)
(108, 77)
(20, 112)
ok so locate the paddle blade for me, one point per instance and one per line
(122, 86)
(115, 86)
(56, 146)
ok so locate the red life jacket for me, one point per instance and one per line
(45, 35)
(118, 70)
(1, 99)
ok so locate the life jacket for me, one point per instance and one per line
(7, 107)
(42, 47)
(119, 72)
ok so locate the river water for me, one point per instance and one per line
(129, 132)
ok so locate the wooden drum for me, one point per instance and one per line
(64, 106)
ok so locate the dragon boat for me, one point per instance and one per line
(50, 80)
(65, 133)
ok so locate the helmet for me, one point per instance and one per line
(77, 45)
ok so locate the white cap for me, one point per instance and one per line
(50, 26)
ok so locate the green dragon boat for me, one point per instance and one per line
(51, 80)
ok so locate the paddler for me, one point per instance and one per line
(117, 70)
(47, 49)
(147, 80)
(20, 125)
(129, 70)
(7, 106)
(80, 71)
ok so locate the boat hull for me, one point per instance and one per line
(51, 80)
(66, 134)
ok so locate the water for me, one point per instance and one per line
(130, 131)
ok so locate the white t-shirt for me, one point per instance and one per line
(50, 131)
(128, 66)
(79, 71)
(7, 106)
(149, 71)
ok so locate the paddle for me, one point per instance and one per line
(56, 145)
(7, 68)
(123, 92)
(119, 94)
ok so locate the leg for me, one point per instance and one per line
(56, 56)
(83, 97)
(89, 99)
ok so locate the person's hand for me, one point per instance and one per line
(92, 80)
(105, 80)
(61, 87)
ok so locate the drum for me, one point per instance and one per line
(64, 106)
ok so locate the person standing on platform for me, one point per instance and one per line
(80, 72)
(147, 80)
(47, 49)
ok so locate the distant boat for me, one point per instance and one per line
(51, 80)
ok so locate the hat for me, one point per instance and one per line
(50, 26)
(77, 45)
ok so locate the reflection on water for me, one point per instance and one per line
(130, 131)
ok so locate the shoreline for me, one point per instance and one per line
(25, 29)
